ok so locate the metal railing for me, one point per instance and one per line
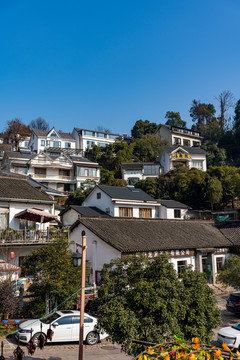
(28, 236)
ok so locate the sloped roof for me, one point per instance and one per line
(231, 231)
(172, 204)
(20, 155)
(126, 193)
(194, 150)
(62, 135)
(15, 187)
(86, 210)
(133, 235)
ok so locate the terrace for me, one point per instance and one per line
(30, 237)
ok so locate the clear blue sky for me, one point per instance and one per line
(109, 63)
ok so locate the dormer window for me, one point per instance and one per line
(98, 195)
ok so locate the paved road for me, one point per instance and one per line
(104, 350)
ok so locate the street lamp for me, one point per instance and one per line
(80, 260)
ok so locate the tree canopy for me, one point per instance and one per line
(39, 124)
(229, 274)
(142, 128)
(144, 299)
(174, 119)
(54, 278)
(16, 132)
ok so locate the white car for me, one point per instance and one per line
(65, 325)
(230, 335)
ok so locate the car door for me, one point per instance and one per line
(62, 328)
(88, 326)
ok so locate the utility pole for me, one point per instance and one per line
(82, 298)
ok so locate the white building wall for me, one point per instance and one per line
(98, 251)
(189, 259)
(70, 217)
(104, 203)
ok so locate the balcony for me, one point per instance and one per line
(29, 237)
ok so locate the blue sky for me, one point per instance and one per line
(109, 63)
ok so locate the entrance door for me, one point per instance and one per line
(207, 267)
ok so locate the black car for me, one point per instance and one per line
(233, 303)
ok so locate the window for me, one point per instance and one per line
(90, 144)
(40, 172)
(3, 221)
(145, 213)
(66, 320)
(21, 170)
(101, 144)
(90, 133)
(101, 135)
(48, 142)
(82, 171)
(177, 214)
(125, 212)
(151, 169)
(26, 143)
(92, 172)
(42, 142)
(67, 145)
(99, 195)
(53, 134)
(112, 136)
(177, 141)
(57, 144)
(26, 224)
(196, 143)
(186, 142)
(198, 164)
(64, 173)
(180, 265)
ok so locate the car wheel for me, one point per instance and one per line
(92, 338)
(36, 336)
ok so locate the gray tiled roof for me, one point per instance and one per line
(20, 155)
(231, 231)
(86, 210)
(133, 235)
(129, 193)
(194, 150)
(16, 187)
(172, 204)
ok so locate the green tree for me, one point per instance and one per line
(149, 186)
(54, 278)
(213, 191)
(142, 128)
(229, 274)
(202, 115)
(174, 119)
(148, 147)
(145, 300)
(78, 196)
(215, 156)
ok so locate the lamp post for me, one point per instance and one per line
(79, 260)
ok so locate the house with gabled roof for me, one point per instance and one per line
(200, 244)
(122, 201)
(43, 140)
(74, 212)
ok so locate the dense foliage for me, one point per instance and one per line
(216, 187)
(145, 300)
(229, 274)
(78, 196)
(9, 303)
(54, 278)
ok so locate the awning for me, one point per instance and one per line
(35, 215)
(6, 267)
(4, 211)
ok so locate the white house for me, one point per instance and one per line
(42, 140)
(179, 136)
(25, 213)
(74, 212)
(135, 171)
(62, 172)
(191, 157)
(196, 243)
(171, 209)
(122, 201)
(86, 139)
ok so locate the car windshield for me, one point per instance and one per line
(50, 318)
(237, 326)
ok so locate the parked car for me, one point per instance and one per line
(233, 303)
(65, 325)
(230, 335)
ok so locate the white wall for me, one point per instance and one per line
(70, 217)
(168, 213)
(105, 202)
(98, 251)
(189, 259)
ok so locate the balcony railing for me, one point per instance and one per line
(21, 237)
